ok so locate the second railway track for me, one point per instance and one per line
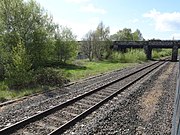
(59, 118)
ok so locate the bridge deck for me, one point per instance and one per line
(150, 43)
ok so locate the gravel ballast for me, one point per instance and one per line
(146, 109)
(20, 110)
(50, 122)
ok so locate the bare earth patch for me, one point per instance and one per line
(149, 100)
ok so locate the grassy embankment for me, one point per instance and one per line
(83, 68)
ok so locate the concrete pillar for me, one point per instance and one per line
(148, 52)
(174, 53)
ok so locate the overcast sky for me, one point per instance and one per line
(159, 19)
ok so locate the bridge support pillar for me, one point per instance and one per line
(148, 52)
(174, 53)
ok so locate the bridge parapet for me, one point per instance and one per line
(160, 43)
(129, 42)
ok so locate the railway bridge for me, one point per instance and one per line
(149, 45)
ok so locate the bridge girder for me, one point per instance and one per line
(149, 45)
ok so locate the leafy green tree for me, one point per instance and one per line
(32, 23)
(127, 35)
(18, 71)
(137, 36)
(122, 35)
(2, 71)
(66, 45)
(101, 42)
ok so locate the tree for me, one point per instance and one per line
(32, 23)
(65, 45)
(101, 42)
(87, 46)
(18, 70)
(123, 35)
(127, 35)
(137, 36)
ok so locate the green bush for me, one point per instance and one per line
(1, 71)
(18, 71)
(116, 57)
(49, 77)
(131, 56)
(135, 55)
(161, 53)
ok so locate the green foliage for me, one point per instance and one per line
(137, 36)
(87, 46)
(127, 35)
(6, 94)
(29, 22)
(2, 71)
(18, 74)
(40, 49)
(101, 42)
(96, 44)
(135, 55)
(116, 56)
(65, 46)
(161, 53)
(22, 64)
(3, 86)
(50, 77)
(131, 56)
(93, 68)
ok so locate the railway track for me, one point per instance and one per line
(20, 110)
(59, 118)
(83, 84)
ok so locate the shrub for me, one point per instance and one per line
(18, 74)
(131, 56)
(50, 77)
(116, 57)
(135, 55)
(1, 71)
(161, 53)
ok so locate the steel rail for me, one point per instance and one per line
(20, 124)
(72, 122)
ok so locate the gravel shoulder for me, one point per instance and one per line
(146, 109)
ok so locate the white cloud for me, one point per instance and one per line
(77, 1)
(91, 8)
(164, 21)
(80, 28)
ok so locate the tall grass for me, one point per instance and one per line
(158, 53)
(6, 94)
(138, 55)
(131, 56)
